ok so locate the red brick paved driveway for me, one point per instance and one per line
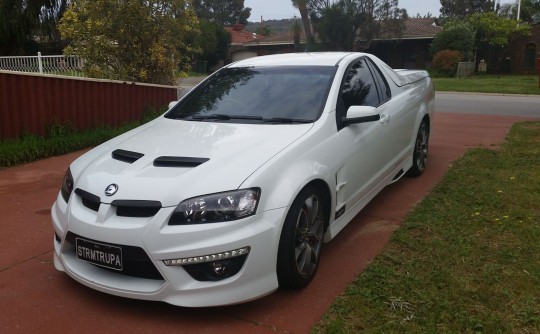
(34, 297)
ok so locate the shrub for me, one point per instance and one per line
(455, 36)
(446, 61)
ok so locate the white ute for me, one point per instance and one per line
(234, 190)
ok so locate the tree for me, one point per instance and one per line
(528, 11)
(337, 36)
(464, 8)
(263, 30)
(302, 6)
(457, 36)
(493, 35)
(222, 12)
(21, 20)
(353, 24)
(214, 41)
(130, 39)
(494, 30)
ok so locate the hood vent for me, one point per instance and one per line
(185, 162)
(126, 156)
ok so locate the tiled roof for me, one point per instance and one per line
(420, 27)
(283, 38)
(239, 36)
(417, 28)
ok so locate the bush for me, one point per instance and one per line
(455, 36)
(446, 61)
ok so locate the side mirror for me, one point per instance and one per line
(361, 114)
(172, 104)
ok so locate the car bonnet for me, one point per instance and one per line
(172, 160)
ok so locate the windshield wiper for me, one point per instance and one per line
(213, 116)
(223, 117)
(285, 120)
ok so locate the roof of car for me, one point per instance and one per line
(296, 59)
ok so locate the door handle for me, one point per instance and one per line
(384, 118)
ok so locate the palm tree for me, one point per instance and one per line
(302, 7)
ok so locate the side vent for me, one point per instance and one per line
(134, 209)
(126, 156)
(185, 162)
(89, 200)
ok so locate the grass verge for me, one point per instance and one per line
(61, 139)
(467, 259)
(504, 84)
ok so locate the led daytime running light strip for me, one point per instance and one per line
(208, 258)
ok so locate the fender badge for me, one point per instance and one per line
(111, 189)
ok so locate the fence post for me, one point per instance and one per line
(40, 63)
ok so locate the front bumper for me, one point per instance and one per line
(160, 242)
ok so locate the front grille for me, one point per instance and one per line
(89, 200)
(136, 262)
(136, 209)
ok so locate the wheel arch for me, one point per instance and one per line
(321, 185)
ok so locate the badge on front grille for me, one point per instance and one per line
(111, 189)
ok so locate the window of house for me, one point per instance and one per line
(530, 56)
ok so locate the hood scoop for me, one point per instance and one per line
(186, 162)
(126, 156)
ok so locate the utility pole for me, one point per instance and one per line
(519, 9)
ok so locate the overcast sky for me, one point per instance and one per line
(283, 9)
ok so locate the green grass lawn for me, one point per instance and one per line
(504, 84)
(466, 260)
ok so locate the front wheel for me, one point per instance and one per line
(301, 239)
(420, 154)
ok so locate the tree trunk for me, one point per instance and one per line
(302, 7)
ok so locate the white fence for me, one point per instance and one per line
(58, 65)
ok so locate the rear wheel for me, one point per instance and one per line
(302, 239)
(420, 154)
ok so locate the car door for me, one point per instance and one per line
(367, 145)
(401, 113)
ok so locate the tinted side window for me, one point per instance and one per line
(359, 88)
(383, 84)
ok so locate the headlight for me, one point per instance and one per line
(215, 208)
(67, 185)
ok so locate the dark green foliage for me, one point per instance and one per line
(222, 12)
(20, 20)
(336, 37)
(458, 37)
(214, 41)
(461, 9)
(360, 21)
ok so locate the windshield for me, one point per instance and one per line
(259, 95)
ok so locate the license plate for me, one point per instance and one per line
(99, 254)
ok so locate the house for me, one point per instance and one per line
(411, 50)
(524, 52)
(246, 44)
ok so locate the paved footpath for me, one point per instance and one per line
(34, 297)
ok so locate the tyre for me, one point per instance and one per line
(302, 239)
(420, 153)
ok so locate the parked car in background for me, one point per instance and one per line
(233, 192)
